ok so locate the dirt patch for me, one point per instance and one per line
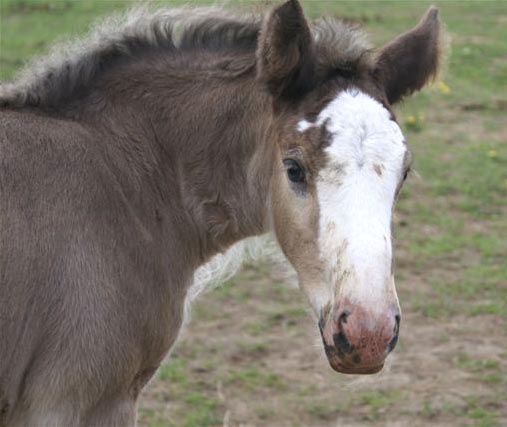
(261, 359)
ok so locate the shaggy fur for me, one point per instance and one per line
(69, 68)
(225, 265)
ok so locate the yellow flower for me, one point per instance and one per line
(443, 88)
(492, 153)
(411, 120)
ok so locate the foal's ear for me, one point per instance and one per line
(284, 53)
(408, 62)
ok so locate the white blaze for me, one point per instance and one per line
(356, 191)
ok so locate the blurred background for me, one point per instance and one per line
(252, 355)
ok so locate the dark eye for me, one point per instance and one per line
(294, 171)
(405, 176)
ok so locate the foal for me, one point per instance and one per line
(127, 164)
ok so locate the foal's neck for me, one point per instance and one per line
(210, 136)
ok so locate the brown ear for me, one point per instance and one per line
(284, 53)
(412, 59)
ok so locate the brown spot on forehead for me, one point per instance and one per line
(378, 168)
(318, 136)
(333, 172)
(307, 146)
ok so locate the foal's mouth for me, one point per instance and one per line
(344, 365)
(345, 358)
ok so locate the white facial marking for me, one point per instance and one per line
(355, 200)
(303, 125)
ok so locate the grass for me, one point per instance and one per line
(376, 403)
(255, 379)
(451, 243)
(481, 416)
(174, 372)
(205, 411)
(466, 362)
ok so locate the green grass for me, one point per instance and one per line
(174, 371)
(480, 415)
(256, 379)
(378, 402)
(471, 364)
(152, 418)
(205, 411)
(321, 410)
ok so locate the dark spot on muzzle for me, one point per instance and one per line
(342, 343)
(330, 349)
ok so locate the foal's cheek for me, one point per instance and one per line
(296, 225)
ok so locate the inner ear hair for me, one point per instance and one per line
(412, 59)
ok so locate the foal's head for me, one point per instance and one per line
(342, 161)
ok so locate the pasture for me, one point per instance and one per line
(252, 355)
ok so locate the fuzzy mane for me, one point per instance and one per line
(51, 80)
(225, 265)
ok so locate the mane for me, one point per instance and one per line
(50, 80)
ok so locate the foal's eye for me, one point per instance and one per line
(294, 171)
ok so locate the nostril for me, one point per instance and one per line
(344, 316)
(397, 320)
(392, 344)
(396, 330)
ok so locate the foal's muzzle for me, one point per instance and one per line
(357, 341)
